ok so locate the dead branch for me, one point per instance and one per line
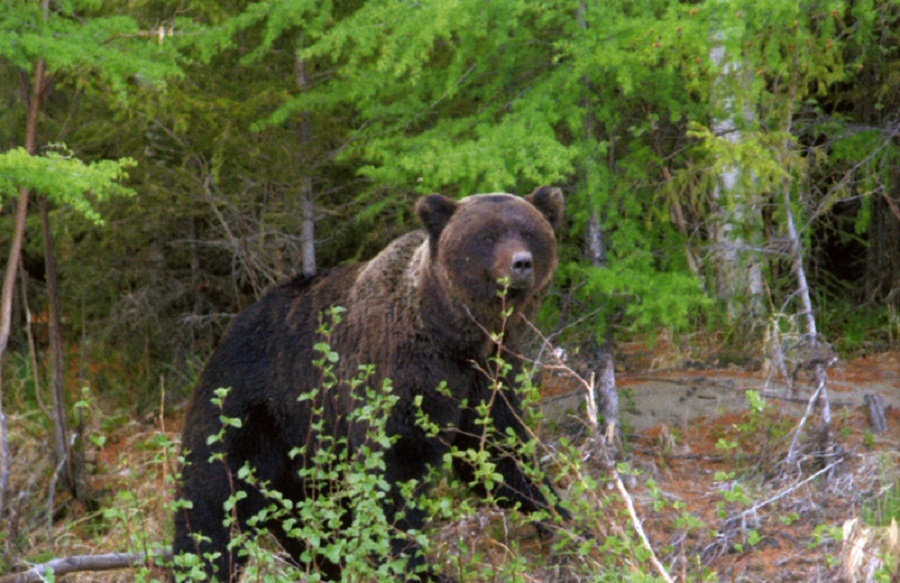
(788, 490)
(819, 364)
(607, 440)
(893, 205)
(64, 565)
(795, 442)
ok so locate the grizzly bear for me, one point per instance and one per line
(430, 312)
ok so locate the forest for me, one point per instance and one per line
(731, 171)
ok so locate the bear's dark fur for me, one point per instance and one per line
(421, 312)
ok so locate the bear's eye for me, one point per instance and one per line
(489, 237)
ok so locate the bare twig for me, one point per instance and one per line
(787, 491)
(608, 440)
(4, 455)
(29, 335)
(610, 409)
(52, 497)
(738, 522)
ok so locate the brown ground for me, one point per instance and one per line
(675, 419)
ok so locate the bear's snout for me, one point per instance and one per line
(521, 270)
(513, 265)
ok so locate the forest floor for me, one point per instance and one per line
(687, 426)
(693, 442)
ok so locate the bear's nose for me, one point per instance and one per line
(522, 267)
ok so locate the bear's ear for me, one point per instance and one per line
(434, 211)
(549, 200)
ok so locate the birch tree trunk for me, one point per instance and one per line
(739, 275)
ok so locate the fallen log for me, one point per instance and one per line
(64, 565)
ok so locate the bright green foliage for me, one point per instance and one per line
(85, 39)
(617, 102)
(86, 48)
(614, 100)
(648, 299)
(477, 97)
(64, 179)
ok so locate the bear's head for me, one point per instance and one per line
(486, 243)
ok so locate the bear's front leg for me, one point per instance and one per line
(200, 528)
(405, 461)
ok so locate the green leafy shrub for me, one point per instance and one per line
(465, 534)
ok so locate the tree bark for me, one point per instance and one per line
(73, 471)
(609, 399)
(307, 196)
(875, 404)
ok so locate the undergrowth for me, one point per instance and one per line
(749, 501)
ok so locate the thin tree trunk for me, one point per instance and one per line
(197, 309)
(595, 245)
(73, 472)
(12, 263)
(609, 398)
(9, 281)
(6, 300)
(308, 217)
(594, 236)
(29, 336)
(308, 229)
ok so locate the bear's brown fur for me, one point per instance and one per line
(422, 312)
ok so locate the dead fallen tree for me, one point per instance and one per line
(820, 360)
(106, 562)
